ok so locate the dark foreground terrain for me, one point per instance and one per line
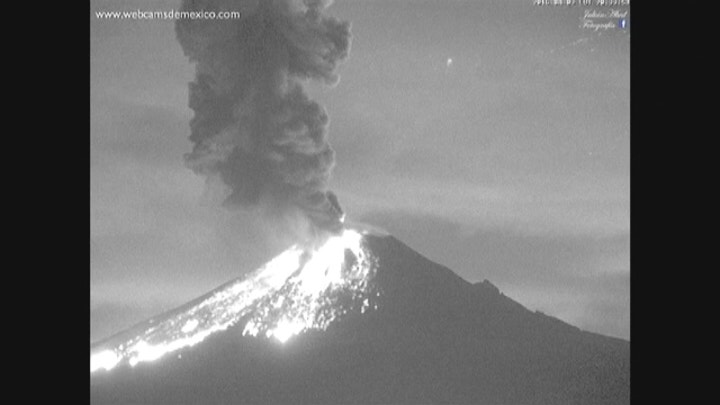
(435, 338)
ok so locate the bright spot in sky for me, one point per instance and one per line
(297, 290)
(449, 62)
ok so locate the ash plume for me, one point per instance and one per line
(254, 127)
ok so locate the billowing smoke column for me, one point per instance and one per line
(255, 129)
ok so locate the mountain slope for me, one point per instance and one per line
(434, 338)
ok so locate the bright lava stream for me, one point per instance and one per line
(296, 291)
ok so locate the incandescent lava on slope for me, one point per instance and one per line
(298, 290)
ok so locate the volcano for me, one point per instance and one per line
(387, 326)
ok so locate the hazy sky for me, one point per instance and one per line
(490, 136)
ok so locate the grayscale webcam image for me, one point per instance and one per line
(360, 202)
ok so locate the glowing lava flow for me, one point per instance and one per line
(296, 291)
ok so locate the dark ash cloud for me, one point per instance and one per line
(255, 128)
